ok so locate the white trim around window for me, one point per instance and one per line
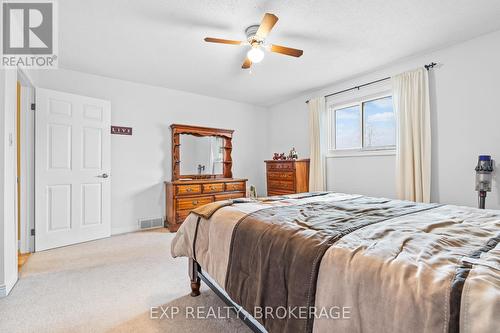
(333, 106)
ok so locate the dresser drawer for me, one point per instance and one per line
(271, 193)
(281, 185)
(188, 189)
(280, 166)
(221, 197)
(280, 175)
(239, 186)
(181, 215)
(212, 188)
(192, 203)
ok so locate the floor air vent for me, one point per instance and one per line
(156, 222)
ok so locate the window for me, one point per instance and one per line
(366, 125)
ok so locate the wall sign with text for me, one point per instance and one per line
(121, 130)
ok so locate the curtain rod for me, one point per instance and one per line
(428, 67)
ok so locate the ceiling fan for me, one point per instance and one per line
(256, 36)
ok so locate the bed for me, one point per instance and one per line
(323, 262)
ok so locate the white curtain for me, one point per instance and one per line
(317, 146)
(413, 159)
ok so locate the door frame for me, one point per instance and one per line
(25, 199)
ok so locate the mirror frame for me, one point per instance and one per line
(200, 131)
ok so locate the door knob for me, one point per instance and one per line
(104, 175)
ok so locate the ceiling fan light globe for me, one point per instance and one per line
(255, 54)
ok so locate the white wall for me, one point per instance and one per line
(8, 223)
(465, 123)
(141, 162)
(370, 175)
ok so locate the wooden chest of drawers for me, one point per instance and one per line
(184, 196)
(287, 177)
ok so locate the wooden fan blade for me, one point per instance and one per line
(246, 64)
(222, 41)
(266, 25)
(286, 50)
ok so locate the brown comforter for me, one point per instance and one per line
(396, 265)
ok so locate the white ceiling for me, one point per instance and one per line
(161, 42)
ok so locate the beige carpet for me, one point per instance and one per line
(109, 285)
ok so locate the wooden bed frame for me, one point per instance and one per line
(196, 274)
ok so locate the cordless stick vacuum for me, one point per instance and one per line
(484, 171)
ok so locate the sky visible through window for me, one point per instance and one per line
(379, 125)
(348, 132)
(380, 128)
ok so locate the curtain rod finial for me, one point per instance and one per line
(431, 65)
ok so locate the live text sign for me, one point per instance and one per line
(121, 130)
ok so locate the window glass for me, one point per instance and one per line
(379, 123)
(347, 128)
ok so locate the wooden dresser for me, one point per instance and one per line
(182, 196)
(287, 177)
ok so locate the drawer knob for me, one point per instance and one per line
(195, 202)
(189, 189)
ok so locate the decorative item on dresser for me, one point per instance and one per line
(205, 174)
(287, 176)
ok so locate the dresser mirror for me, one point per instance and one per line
(200, 152)
(201, 155)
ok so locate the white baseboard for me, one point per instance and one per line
(6, 288)
(124, 229)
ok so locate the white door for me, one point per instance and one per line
(72, 169)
